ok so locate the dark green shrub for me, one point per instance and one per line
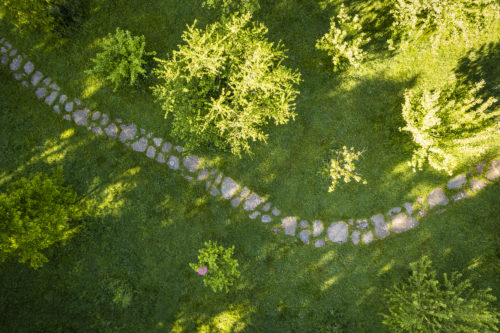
(227, 7)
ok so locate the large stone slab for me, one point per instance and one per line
(140, 145)
(304, 236)
(317, 228)
(289, 225)
(128, 132)
(402, 222)
(437, 198)
(381, 228)
(80, 117)
(229, 188)
(457, 182)
(111, 130)
(337, 232)
(252, 202)
(494, 170)
(192, 163)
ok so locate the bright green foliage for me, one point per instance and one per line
(228, 7)
(342, 166)
(444, 20)
(423, 304)
(222, 269)
(224, 84)
(344, 40)
(33, 14)
(34, 214)
(450, 125)
(121, 58)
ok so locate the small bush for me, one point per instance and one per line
(343, 41)
(121, 58)
(226, 8)
(218, 268)
(342, 166)
(424, 304)
(34, 214)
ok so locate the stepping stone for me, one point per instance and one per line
(214, 191)
(245, 192)
(477, 184)
(151, 152)
(67, 117)
(317, 228)
(13, 53)
(5, 59)
(401, 223)
(40, 92)
(381, 228)
(304, 224)
(393, 211)
(254, 215)
(203, 174)
(266, 218)
(494, 170)
(459, 196)
(160, 158)
(236, 201)
(96, 115)
(29, 67)
(62, 99)
(57, 109)
(367, 238)
(104, 119)
(51, 98)
(337, 232)
(192, 163)
(362, 224)
(24, 84)
(319, 243)
(276, 212)
(437, 198)
(457, 182)
(304, 236)
(266, 207)
(54, 87)
(7, 45)
(252, 202)
(166, 147)
(351, 222)
(17, 76)
(111, 130)
(16, 63)
(143, 131)
(77, 101)
(80, 117)
(3, 50)
(189, 178)
(289, 224)
(140, 145)
(229, 188)
(218, 179)
(69, 107)
(275, 230)
(128, 132)
(97, 130)
(179, 149)
(355, 237)
(47, 81)
(409, 207)
(480, 167)
(173, 162)
(150, 135)
(157, 141)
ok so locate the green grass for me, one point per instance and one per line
(127, 270)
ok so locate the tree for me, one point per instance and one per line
(343, 41)
(34, 214)
(225, 84)
(424, 304)
(226, 8)
(450, 125)
(121, 58)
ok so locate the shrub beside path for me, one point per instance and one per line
(194, 169)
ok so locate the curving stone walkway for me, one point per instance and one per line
(317, 233)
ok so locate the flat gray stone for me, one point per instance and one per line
(266, 218)
(13, 53)
(362, 224)
(218, 179)
(54, 86)
(67, 117)
(97, 130)
(166, 147)
(409, 207)
(245, 192)
(127, 132)
(214, 191)
(151, 152)
(202, 175)
(3, 50)
(304, 224)
(338, 232)
(173, 162)
(111, 130)
(457, 182)
(40, 92)
(393, 211)
(63, 99)
(480, 167)
(68, 107)
(189, 178)
(104, 119)
(29, 67)
(317, 228)
(160, 158)
(7, 45)
(96, 115)
(46, 81)
(289, 224)
(24, 84)
(275, 212)
(51, 98)
(140, 145)
(319, 243)
(80, 117)
(254, 215)
(401, 223)
(157, 141)
(179, 149)
(16, 63)
(477, 184)
(17, 76)
(304, 236)
(459, 196)
(229, 188)
(355, 237)
(252, 202)
(437, 198)
(266, 207)
(367, 238)
(192, 163)
(494, 170)
(57, 109)
(5, 59)
(381, 228)
(236, 201)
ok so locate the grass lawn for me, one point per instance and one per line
(128, 269)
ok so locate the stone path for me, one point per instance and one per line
(194, 169)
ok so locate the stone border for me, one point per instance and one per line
(194, 169)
